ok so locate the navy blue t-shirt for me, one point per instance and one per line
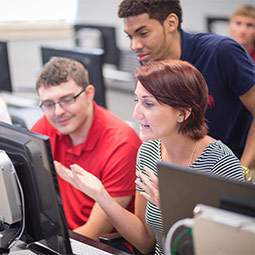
(229, 72)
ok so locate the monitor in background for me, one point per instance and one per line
(181, 189)
(31, 156)
(119, 65)
(107, 40)
(91, 60)
(218, 25)
(5, 76)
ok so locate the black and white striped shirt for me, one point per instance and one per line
(217, 159)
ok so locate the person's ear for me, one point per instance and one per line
(90, 92)
(171, 22)
(184, 115)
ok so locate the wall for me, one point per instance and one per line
(24, 52)
(194, 13)
(24, 41)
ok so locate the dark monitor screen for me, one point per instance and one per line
(31, 156)
(108, 33)
(5, 77)
(91, 60)
(182, 188)
(218, 25)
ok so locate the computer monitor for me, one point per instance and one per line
(31, 156)
(109, 44)
(182, 188)
(5, 76)
(218, 25)
(10, 206)
(91, 60)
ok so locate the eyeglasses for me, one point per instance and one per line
(64, 102)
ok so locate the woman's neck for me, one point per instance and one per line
(184, 150)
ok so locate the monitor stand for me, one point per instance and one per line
(7, 234)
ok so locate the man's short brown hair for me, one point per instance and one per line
(59, 70)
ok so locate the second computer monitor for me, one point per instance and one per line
(91, 60)
(108, 40)
(182, 188)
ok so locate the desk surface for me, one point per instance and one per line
(20, 247)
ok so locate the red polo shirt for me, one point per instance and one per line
(109, 153)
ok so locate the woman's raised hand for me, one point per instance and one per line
(80, 179)
(150, 186)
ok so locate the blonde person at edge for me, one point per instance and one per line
(171, 100)
(242, 27)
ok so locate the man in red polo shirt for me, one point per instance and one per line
(89, 135)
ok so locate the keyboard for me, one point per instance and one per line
(80, 248)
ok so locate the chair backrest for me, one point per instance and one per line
(18, 121)
(128, 61)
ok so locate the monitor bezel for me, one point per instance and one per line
(60, 242)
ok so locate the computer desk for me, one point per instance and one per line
(94, 243)
(20, 247)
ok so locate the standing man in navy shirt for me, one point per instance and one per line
(154, 30)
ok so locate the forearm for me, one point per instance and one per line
(93, 229)
(129, 225)
(248, 157)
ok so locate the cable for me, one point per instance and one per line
(12, 242)
(183, 222)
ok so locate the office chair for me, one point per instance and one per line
(18, 121)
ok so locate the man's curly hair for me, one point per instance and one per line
(156, 9)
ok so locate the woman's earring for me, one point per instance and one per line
(180, 119)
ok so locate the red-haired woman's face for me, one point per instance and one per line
(157, 121)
